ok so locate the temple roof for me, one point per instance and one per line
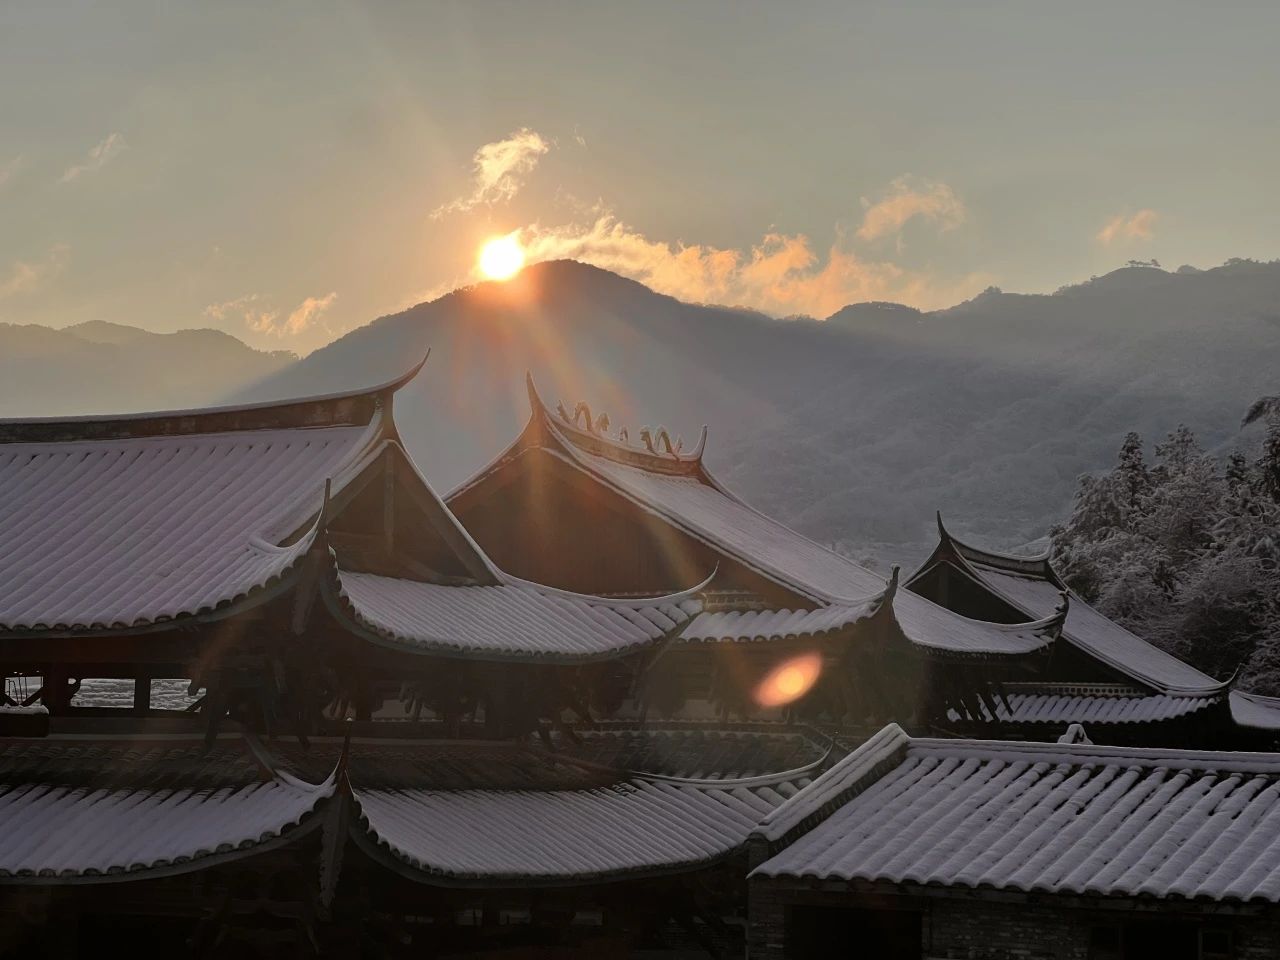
(683, 492)
(1089, 703)
(1037, 817)
(128, 522)
(76, 812)
(639, 826)
(445, 812)
(1033, 587)
(512, 619)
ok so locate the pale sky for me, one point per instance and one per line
(287, 171)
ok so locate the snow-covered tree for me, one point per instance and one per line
(1186, 552)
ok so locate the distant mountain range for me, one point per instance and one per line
(99, 366)
(854, 429)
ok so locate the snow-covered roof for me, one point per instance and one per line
(639, 826)
(510, 620)
(941, 632)
(1038, 817)
(76, 812)
(126, 522)
(1031, 586)
(1255, 712)
(681, 490)
(713, 626)
(702, 751)
(1063, 703)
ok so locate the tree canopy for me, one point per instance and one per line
(1185, 550)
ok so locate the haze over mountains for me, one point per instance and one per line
(99, 366)
(854, 429)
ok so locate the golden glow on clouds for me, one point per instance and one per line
(500, 169)
(908, 199)
(789, 680)
(1139, 226)
(501, 257)
(781, 275)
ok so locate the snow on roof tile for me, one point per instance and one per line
(941, 631)
(157, 810)
(638, 826)
(692, 751)
(1255, 712)
(509, 620)
(1057, 818)
(131, 531)
(713, 515)
(771, 625)
(1096, 634)
(1088, 704)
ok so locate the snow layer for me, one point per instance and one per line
(1096, 635)
(640, 826)
(1069, 818)
(506, 620)
(65, 831)
(118, 533)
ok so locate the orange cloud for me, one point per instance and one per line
(100, 154)
(780, 275)
(1138, 226)
(500, 171)
(27, 276)
(906, 200)
(256, 314)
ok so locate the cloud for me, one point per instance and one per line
(256, 313)
(906, 199)
(9, 169)
(1138, 226)
(500, 171)
(780, 275)
(100, 154)
(27, 276)
(307, 313)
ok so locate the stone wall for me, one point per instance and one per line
(974, 928)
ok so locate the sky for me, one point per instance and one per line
(289, 171)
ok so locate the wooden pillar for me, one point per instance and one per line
(389, 501)
(141, 695)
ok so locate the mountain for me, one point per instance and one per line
(97, 366)
(853, 429)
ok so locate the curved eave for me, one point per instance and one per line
(1012, 642)
(275, 586)
(832, 621)
(963, 564)
(345, 611)
(201, 860)
(191, 421)
(1036, 565)
(380, 851)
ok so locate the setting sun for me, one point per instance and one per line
(501, 257)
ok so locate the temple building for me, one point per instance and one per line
(266, 691)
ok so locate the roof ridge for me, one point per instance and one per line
(195, 420)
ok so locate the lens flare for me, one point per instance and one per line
(789, 680)
(501, 257)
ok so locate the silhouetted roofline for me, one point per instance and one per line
(341, 408)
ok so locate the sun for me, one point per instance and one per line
(501, 257)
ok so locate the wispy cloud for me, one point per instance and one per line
(906, 199)
(1127, 227)
(28, 276)
(500, 169)
(100, 154)
(257, 314)
(8, 170)
(306, 314)
(780, 275)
